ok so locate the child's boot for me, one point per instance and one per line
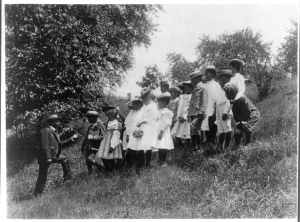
(248, 138)
(227, 139)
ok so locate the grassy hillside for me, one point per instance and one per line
(257, 182)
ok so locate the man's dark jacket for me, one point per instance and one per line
(51, 145)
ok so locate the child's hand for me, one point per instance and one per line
(160, 135)
(90, 137)
(181, 120)
(110, 150)
(224, 116)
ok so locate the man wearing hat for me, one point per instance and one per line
(197, 108)
(236, 65)
(92, 140)
(50, 152)
(223, 112)
(213, 91)
(164, 86)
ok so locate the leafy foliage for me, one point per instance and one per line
(243, 44)
(152, 77)
(288, 49)
(70, 53)
(179, 68)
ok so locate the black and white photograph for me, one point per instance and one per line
(149, 110)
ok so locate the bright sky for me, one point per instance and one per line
(181, 26)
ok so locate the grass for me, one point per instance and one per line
(260, 181)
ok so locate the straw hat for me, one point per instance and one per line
(145, 91)
(92, 113)
(237, 60)
(174, 89)
(165, 95)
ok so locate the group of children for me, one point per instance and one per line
(187, 115)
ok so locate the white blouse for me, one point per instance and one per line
(164, 119)
(183, 106)
(238, 80)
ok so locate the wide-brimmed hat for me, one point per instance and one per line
(180, 85)
(187, 83)
(174, 89)
(107, 108)
(92, 113)
(136, 99)
(145, 91)
(163, 82)
(195, 74)
(53, 117)
(210, 67)
(225, 72)
(165, 95)
(237, 60)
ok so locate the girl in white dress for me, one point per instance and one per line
(148, 125)
(135, 119)
(164, 141)
(181, 128)
(110, 148)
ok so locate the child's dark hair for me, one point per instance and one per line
(166, 100)
(236, 65)
(212, 71)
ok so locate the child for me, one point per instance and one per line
(245, 113)
(147, 124)
(110, 148)
(164, 141)
(133, 148)
(181, 128)
(224, 126)
(92, 140)
(197, 108)
(173, 105)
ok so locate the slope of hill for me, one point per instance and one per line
(260, 181)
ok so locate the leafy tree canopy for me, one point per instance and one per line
(63, 53)
(152, 77)
(179, 68)
(242, 44)
(288, 49)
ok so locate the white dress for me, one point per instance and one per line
(213, 90)
(164, 121)
(148, 140)
(182, 130)
(223, 106)
(135, 119)
(127, 125)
